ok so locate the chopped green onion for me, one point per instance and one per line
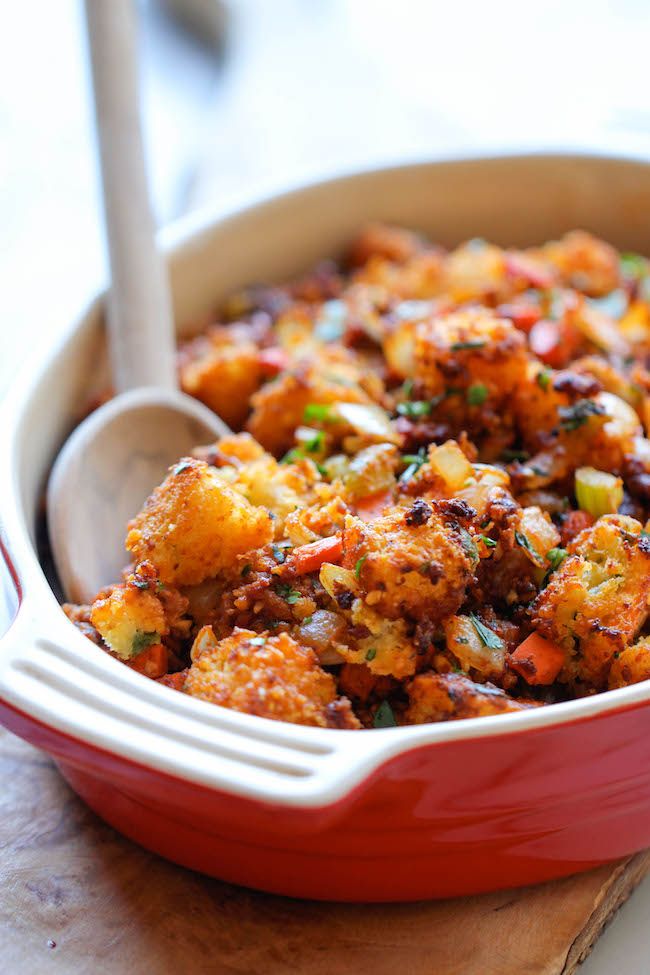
(315, 444)
(598, 492)
(488, 541)
(183, 466)
(248, 568)
(407, 388)
(414, 462)
(487, 636)
(317, 411)
(384, 717)
(292, 456)
(414, 408)
(257, 641)
(359, 565)
(372, 653)
(544, 379)
(556, 557)
(477, 394)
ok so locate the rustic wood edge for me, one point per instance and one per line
(619, 886)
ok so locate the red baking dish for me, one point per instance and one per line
(392, 814)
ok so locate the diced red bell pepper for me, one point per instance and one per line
(523, 315)
(152, 661)
(309, 558)
(537, 660)
(553, 342)
(273, 361)
(374, 505)
(521, 266)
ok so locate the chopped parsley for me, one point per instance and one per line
(290, 595)
(372, 653)
(470, 344)
(575, 416)
(142, 640)
(487, 636)
(477, 394)
(522, 540)
(468, 545)
(279, 555)
(384, 717)
(308, 619)
(359, 565)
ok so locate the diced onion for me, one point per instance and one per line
(367, 419)
(451, 464)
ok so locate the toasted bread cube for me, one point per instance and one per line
(271, 676)
(279, 406)
(129, 619)
(193, 526)
(410, 562)
(449, 697)
(632, 666)
(597, 601)
(224, 378)
(477, 348)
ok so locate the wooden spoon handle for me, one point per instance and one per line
(139, 312)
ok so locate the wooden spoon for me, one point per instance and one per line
(121, 451)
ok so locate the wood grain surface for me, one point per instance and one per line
(77, 898)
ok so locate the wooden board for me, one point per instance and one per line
(77, 898)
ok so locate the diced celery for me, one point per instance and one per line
(598, 492)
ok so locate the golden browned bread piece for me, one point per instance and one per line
(448, 697)
(331, 377)
(596, 602)
(271, 676)
(194, 526)
(410, 562)
(631, 666)
(224, 379)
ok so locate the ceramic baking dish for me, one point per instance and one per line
(404, 813)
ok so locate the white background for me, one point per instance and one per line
(304, 87)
